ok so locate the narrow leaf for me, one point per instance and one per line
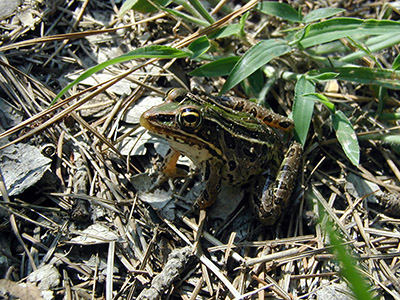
(202, 11)
(220, 67)
(346, 136)
(186, 17)
(257, 56)
(322, 13)
(348, 269)
(281, 10)
(225, 31)
(381, 77)
(161, 52)
(199, 46)
(396, 62)
(337, 28)
(324, 100)
(142, 6)
(302, 108)
(323, 76)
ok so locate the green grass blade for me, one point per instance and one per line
(346, 136)
(225, 31)
(162, 52)
(220, 67)
(281, 10)
(303, 108)
(374, 44)
(202, 11)
(323, 99)
(337, 28)
(142, 6)
(387, 78)
(321, 13)
(199, 46)
(396, 62)
(256, 57)
(348, 268)
(186, 17)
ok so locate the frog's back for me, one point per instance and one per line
(247, 147)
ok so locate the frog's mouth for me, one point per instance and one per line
(152, 122)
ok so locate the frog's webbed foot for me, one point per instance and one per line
(276, 197)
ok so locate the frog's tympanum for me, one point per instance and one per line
(233, 141)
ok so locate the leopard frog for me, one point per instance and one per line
(233, 141)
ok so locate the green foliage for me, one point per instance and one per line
(199, 47)
(281, 10)
(219, 67)
(286, 12)
(256, 57)
(348, 268)
(162, 52)
(317, 41)
(142, 6)
(303, 108)
(346, 136)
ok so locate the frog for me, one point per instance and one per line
(233, 141)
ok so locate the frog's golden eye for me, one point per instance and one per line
(176, 95)
(189, 118)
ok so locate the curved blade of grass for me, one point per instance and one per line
(220, 67)
(225, 31)
(303, 108)
(321, 13)
(322, 76)
(348, 268)
(396, 62)
(242, 23)
(321, 98)
(257, 56)
(337, 28)
(253, 85)
(386, 78)
(281, 10)
(142, 6)
(202, 11)
(199, 46)
(162, 52)
(346, 136)
(186, 17)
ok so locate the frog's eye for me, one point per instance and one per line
(189, 118)
(176, 95)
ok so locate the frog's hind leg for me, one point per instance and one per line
(276, 196)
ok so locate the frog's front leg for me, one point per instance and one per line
(275, 198)
(168, 169)
(212, 178)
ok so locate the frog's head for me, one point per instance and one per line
(180, 115)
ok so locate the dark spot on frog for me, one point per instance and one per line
(285, 124)
(232, 165)
(205, 196)
(264, 148)
(250, 153)
(166, 118)
(230, 178)
(229, 140)
(239, 106)
(268, 119)
(207, 172)
(253, 111)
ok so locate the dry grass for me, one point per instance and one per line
(92, 228)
